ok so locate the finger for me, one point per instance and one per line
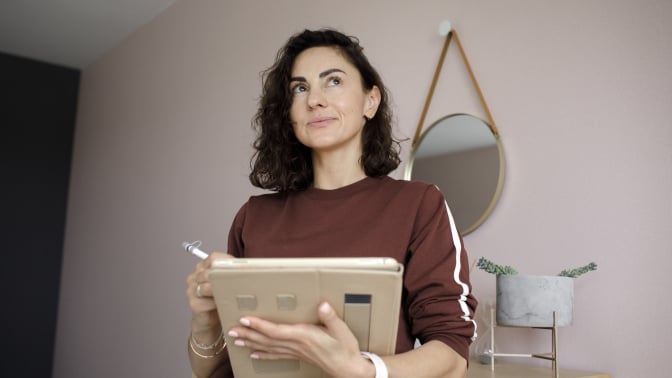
(249, 338)
(255, 329)
(203, 303)
(199, 304)
(261, 355)
(204, 290)
(268, 336)
(193, 283)
(207, 262)
(220, 255)
(266, 345)
(329, 318)
(199, 290)
(262, 347)
(293, 332)
(203, 267)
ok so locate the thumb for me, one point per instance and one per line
(338, 329)
(328, 316)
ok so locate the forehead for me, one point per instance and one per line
(319, 59)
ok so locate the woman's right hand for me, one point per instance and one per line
(205, 325)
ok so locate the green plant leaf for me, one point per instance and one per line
(493, 268)
(573, 273)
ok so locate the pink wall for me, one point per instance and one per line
(579, 92)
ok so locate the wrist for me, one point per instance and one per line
(366, 369)
(205, 337)
(207, 345)
(205, 334)
(378, 364)
(209, 350)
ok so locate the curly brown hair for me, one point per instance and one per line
(280, 162)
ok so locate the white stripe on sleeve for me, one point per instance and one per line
(456, 273)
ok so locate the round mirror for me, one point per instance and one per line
(462, 155)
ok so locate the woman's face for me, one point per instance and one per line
(328, 101)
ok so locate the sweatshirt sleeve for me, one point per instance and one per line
(236, 246)
(439, 300)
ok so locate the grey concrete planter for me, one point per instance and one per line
(529, 301)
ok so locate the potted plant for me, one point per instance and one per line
(530, 301)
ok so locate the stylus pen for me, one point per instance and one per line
(193, 249)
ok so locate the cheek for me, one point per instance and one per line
(354, 111)
(294, 112)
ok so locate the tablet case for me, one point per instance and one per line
(365, 292)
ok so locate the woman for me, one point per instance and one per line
(325, 146)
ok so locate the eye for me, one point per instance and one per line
(299, 88)
(334, 81)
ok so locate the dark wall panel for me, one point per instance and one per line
(38, 104)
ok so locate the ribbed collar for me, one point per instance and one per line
(346, 191)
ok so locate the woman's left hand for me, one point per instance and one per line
(332, 347)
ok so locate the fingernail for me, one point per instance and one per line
(254, 356)
(239, 342)
(245, 322)
(233, 333)
(325, 308)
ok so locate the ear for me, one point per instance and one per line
(372, 102)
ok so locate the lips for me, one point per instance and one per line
(320, 121)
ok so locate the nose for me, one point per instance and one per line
(316, 99)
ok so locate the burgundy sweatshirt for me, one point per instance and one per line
(375, 217)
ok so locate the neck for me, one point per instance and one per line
(333, 171)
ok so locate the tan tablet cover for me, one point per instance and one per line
(367, 298)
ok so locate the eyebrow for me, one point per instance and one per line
(322, 74)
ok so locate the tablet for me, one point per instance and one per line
(365, 292)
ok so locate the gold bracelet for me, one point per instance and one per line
(207, 346)
(191, 346)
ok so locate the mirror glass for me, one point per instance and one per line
(462, 155)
